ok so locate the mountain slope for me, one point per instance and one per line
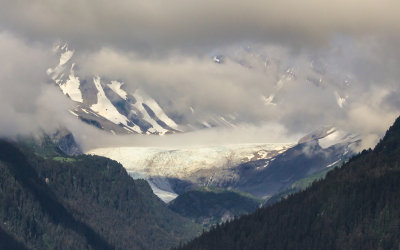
(209, 206)
(105, 104)
(314, 153)
(81, 202)
(357, 206)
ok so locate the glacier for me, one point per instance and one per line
(201, 164)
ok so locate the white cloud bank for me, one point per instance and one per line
(342, 58)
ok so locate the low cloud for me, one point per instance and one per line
(21, 84)
(266, 84)
(28, 101)
(296, 64)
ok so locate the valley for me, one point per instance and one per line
(262, 170)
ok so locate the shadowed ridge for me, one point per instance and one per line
(24, 173)
(357, 206)
(8, 242)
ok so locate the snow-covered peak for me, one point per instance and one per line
(64, 75)
(71, 86)
(106, 104)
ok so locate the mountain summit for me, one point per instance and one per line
(105, 104)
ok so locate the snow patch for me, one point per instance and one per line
(73, 113)
(333, 164)
(116, 87)
(71, 87)
(157, 110)
(142, 98)
(105, 108)
(65, 57)
(331, 139)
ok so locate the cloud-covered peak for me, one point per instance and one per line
(299, 64)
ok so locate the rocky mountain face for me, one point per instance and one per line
(313, 154)
(44, 144)
(110, 105)
(65, 141)
(105, 104)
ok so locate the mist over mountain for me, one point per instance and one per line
(264, 87)
(340, 71)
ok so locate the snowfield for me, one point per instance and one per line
(185, 162)
(105, 108)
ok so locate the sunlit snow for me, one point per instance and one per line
(105, 108)
(71, 87)
(142, 98)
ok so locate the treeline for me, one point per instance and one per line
(357, 206)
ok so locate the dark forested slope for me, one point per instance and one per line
(209, 205)
(80, 202)
(357, 206)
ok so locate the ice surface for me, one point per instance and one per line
(181, 162)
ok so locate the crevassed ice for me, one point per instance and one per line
(181, 162)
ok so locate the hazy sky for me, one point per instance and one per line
(342, 56)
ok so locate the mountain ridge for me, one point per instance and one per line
(355, 207)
